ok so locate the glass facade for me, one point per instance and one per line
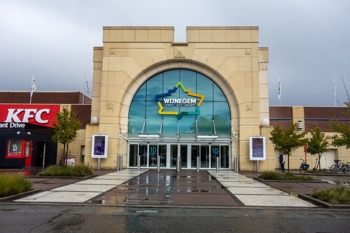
(182, 112)
(179, 105)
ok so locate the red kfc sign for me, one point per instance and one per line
(37, 114)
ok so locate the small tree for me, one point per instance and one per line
(343, 129)
(287, 140)
(65, 129)
(318, 144)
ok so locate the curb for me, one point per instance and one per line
(291, 181)
(64, 177)
(322, 203)
(7, 198)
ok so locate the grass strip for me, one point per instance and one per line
(11, 184)
(338, 195)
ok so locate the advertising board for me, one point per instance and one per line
(257, 148)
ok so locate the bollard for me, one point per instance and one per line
(158, 163)
(138, 162)
(178, 163)
(198, 163)
(120, 162)
(217, 163)
(236, 165)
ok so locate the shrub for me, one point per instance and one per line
(77, 170)
(11, 184)
(338, 195)
(272, 175)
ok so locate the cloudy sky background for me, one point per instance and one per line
(308, 41)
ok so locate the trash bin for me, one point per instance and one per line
(82, 157)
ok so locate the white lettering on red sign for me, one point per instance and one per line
(12, 115)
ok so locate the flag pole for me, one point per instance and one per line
(84, 86)
(33, 88)
(279, 88)
(334, 92)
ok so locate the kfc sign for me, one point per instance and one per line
(43, 115)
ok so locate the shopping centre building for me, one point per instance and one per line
(203, 103)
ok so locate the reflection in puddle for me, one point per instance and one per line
(343, 183)
(157, 188)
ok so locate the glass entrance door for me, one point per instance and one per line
(194, 153)
(183, 155)
(173, 155)
(205, 154)
(162, 155)
(169, 153)
(152, 157)
(215, 152)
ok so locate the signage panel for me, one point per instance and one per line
(14, 115)
(165, 100)
(257, 148)
(99, 146)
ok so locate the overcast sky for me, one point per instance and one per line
(308, 40)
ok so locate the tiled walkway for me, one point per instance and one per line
(168, 187)
(254, 193)
(83, 191)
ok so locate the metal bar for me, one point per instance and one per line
(143, 127)
(214, 126)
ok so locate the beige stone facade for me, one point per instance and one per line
(229, 56)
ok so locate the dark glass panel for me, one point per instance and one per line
(171, 78)
(141, 93)
(222, 118)
(194, 154)
(183, 154)
(133, 155)
(214, 153)
(218, 95)
(154, 86)
(136, 116)
(204, 156)
(170, 124)
(204, 120)
(154, 119)
(173, 155)
(153, 151)
(162, 155)
(188, 124)
(205, 87)
(225, 162)
(143, 155)
(188, 79)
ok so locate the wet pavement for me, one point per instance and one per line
(169, 188)
(190, 188)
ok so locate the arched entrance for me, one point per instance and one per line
(179, 113)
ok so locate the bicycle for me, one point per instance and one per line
(303, 166)
(339, 167)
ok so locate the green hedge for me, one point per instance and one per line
(338, 195)
(74, 171)
(272, 175)
(11, 184)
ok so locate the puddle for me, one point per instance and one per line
(194, 191)
(342, 183)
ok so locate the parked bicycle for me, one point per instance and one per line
(339, 167)
(303, 166)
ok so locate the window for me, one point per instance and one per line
(182, 113)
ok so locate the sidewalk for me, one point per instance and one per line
(130, 187)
